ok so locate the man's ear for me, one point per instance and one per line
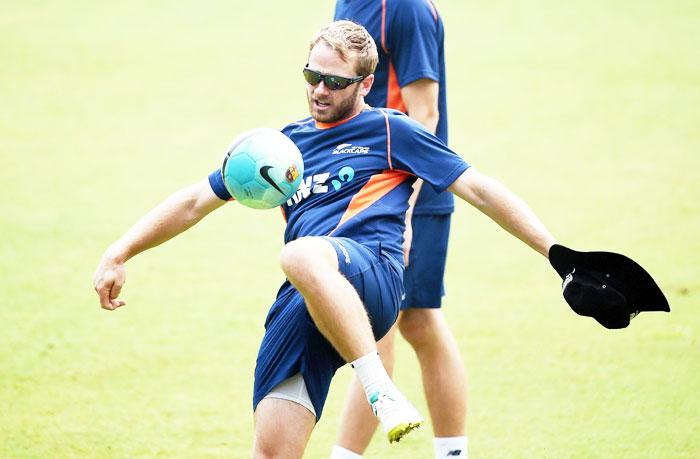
(366, 85)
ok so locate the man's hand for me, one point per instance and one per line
(108, 281)
(178, 212)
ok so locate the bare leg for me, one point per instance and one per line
(358, 423)
(282, 429)
(311, 265)
(444, 378)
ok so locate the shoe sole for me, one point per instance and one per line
(400, 431)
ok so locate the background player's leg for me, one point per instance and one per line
(282, 429)
(424, 326)
(357, 424)
(444, 378)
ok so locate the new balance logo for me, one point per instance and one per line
(455, 452)
(348, 148)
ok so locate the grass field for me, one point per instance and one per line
(589, 110)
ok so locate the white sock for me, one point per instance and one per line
(449, 447)
(341, 453)
(371, 373)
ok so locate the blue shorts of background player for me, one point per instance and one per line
(293, 345)
(424, 275)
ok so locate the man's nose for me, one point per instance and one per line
(321, 88)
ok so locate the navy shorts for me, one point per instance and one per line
(292, 344)
(424, 275)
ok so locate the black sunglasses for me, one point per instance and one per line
(332, 82)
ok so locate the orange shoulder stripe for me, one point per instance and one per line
(377, 187)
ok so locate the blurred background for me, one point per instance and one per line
(588, 110)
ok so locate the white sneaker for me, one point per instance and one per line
(397, 415)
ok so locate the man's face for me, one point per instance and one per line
(328, 106)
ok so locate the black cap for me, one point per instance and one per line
(607, 286)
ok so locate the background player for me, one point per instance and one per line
(343, 244)
(410, 77)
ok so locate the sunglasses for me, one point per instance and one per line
(332, 82)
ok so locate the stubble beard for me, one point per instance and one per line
(340, 111)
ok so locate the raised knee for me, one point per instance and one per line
(302, 257)
(292, 257)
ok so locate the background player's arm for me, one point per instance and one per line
(177, 213)
(421, 100)
(505, 208)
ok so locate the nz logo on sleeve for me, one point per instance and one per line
(318, 183)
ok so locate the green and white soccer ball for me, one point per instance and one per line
(262, 168)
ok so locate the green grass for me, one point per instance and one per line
(589, 110)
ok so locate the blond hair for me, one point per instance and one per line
(346, 37)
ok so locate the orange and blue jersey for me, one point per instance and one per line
(357, 181)
(410, 41)
(358, 175)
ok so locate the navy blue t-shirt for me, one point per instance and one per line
(358, 175)
(410, 41)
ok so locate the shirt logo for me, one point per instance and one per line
(265, 173)
(318, 184)
(348, 148)
(292, 173)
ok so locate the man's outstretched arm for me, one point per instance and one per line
(178, 212)
(505, 208)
